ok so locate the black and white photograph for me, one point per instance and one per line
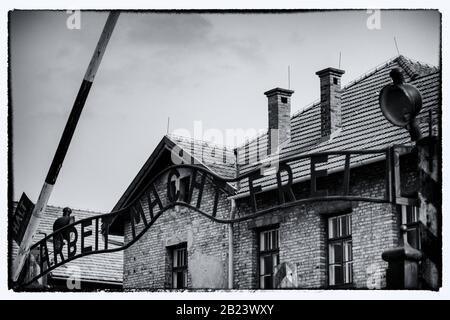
(225, 150)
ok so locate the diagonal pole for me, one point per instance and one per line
(64, 143)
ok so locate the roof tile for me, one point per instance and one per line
(103, 267)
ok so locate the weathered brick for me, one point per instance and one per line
(303, 238)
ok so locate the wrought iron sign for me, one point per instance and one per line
(21, 218)
(85, 235)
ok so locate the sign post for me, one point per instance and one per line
(63, 146)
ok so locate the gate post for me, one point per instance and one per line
(403, 269)
(430, 213)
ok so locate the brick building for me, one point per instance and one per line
(316, 244)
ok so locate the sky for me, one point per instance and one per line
(208, 67)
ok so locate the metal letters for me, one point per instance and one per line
(151, 202)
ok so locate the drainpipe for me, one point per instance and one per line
(230, 227)
(230, 246)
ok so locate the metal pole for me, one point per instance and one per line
(64, 144)
(396, 46)
(289, 77)
(230, 246)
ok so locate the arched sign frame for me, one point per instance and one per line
(136, 214)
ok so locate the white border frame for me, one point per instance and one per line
(443, 7)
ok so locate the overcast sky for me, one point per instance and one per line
(209, 67)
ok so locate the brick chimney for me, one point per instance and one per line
(330, 100)
(279, 102)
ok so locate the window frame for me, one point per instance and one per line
(184, 185)
(179, 184)
(270, 252)
(412, 226)
(342, 240)
(183, 268)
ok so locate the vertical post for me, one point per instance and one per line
(289, 77)
(404, 270)
(430, 214)
(389, 182)
(397, 176)
(230, 246)
(63, 145)
(168, 125)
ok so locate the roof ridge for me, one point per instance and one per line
(248, 141)
(410, 65)
(77, 209)
(404, 62)
(208, 143)
(353, 82)
(199, 160)
(308, 107)
(406, 65)
(401, 59)
(370, 72)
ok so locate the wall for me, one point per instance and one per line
(303, 241)
(303, 231)
(147, 263)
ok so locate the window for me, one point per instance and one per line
(284, 100)
(410, 218)
(183, 188)
(268, 257)
(335, 81)
(179, 267)
(340, 257)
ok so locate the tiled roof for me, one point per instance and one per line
(103, 268)
(415, 69)
(219, 159)
(363, 127)
(208, 155)
(363, 124)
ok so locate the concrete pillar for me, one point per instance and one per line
(403, 269)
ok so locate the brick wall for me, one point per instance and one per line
(303, 242)
(330, 100)
(147, 263)
(279, 116)
(303, 238)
